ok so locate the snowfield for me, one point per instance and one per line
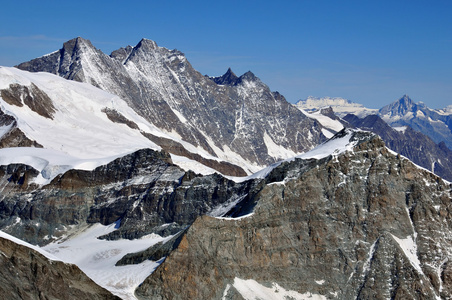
(80, 135)
(97, 258)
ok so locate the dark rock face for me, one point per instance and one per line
(32, 96)
(366, 224)
(18, 95)
(142, 189)
(228, 112)
(16, 138)
(27, 274)
(154, 253)
(228, 78)
(413, 144)
(117, 117)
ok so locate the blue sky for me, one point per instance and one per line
(370, 52)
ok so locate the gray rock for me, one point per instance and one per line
(27, 274)
(361, 225)
(416, 146)
(143, 190)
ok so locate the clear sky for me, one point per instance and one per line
(370, 52)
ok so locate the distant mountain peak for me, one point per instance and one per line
(228, 78)
(400, 107)
(75, 44)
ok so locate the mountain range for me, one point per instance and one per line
(435, 123)
(132, 175)
(236, 119)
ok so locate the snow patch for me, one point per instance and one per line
(401, 129)
(327, 122)
(224, 208)
(409, 248)
(189, 164)
(275, 150)
(251, 290)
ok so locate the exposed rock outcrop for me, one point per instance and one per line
(27, 274)
(359, 225)
(143, 189)
(416, 146)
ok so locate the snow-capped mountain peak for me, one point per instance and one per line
(235, 119)
(401, 107)
(434, 123)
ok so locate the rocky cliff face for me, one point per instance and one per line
(144, 190)
(416, 146)
(228, 116)
(364, 224)
(27, 274)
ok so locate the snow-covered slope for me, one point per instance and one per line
(340, 106)
(78, 129)
(97, 258)
(35, 248)
(331, 125)
(79, 126)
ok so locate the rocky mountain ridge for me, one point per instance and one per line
(350, 207)
(239, 120)
(434, 123)
(412, 144)
(143, 189)
(362, 224)
(437, 124)
(349, 219)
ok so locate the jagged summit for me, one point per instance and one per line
(228, 78)
(400, 107)
(230, 117)
(248, 76)
(147, 44)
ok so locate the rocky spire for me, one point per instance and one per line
(228, 78)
